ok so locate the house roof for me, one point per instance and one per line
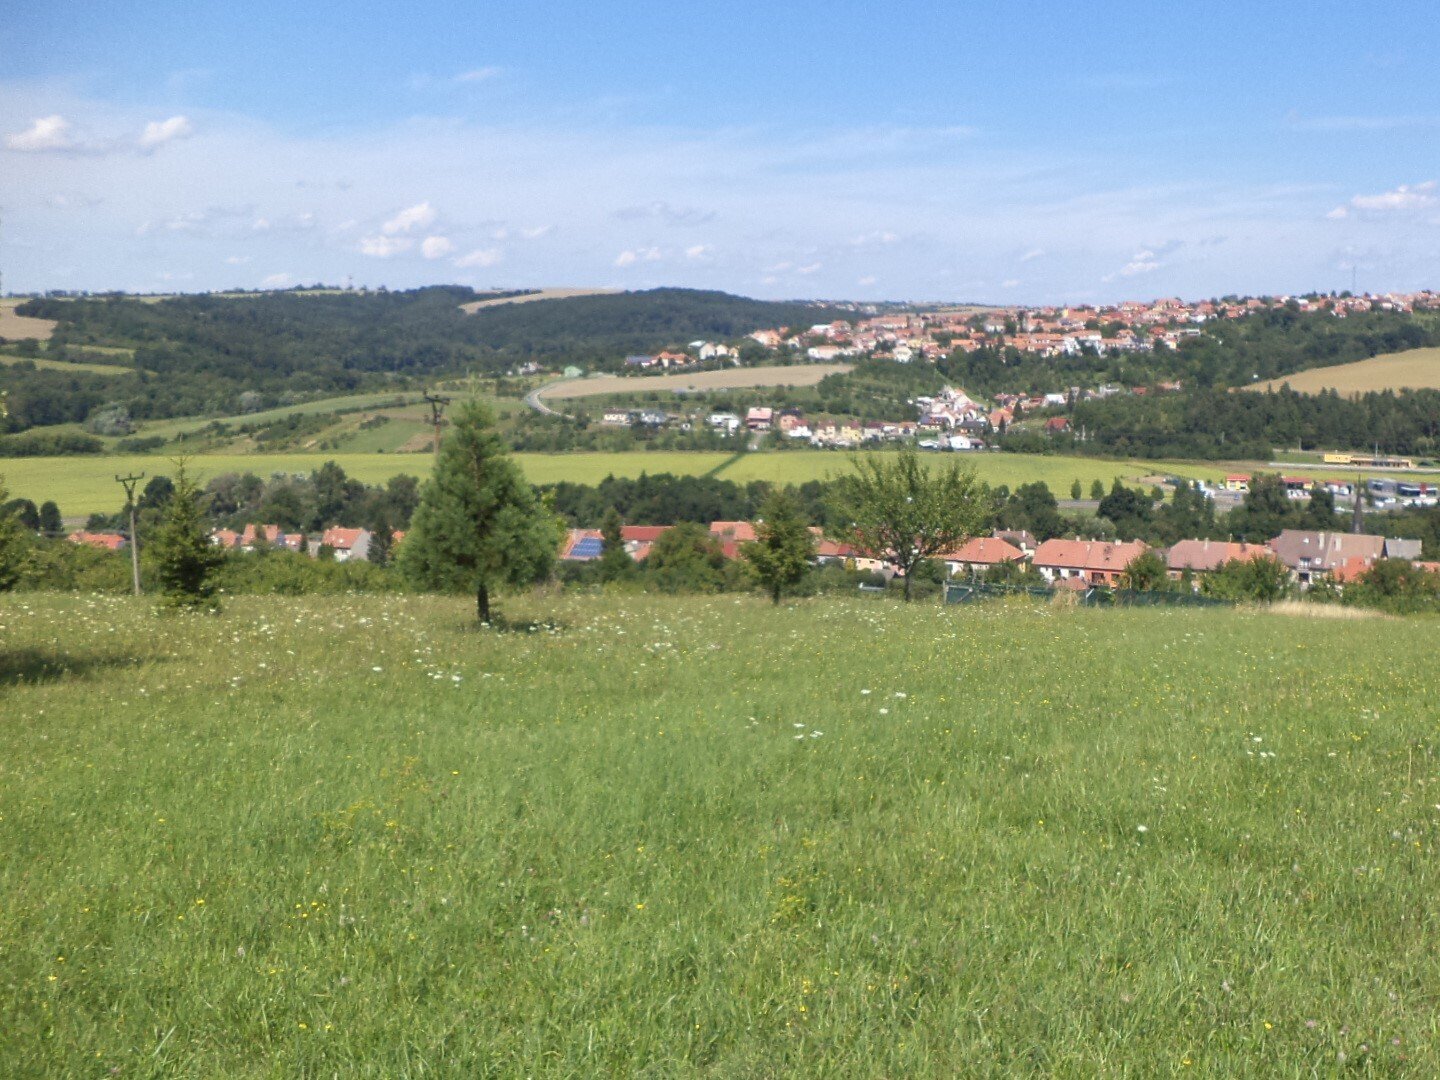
(986, 551)
(107, 540)
(1098, 555)
(1302, 549)
(739, 531)
(645, 534)
(342, 539)
(581, 545)
(1207, 555)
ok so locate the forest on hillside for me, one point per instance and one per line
(196, 355)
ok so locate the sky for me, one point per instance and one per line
(999, 152)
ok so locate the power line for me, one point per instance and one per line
(129, 483)
(437, 414)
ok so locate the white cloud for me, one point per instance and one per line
(697, 251)
(480, 74)
(1142, 262)
(879, 236)
(414, 217)
(809, 268)
(237, 260)
(867, 281)
(1010, 283)
(276, 281)
(631, 257)
(436, 247)
(382, 247)
(536, 232)
(480, 257)
(46, 133)
(1032, 255)
(1338, 213)
(1404, 197)
(158, 132)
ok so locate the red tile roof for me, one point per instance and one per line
(341, 539)
(986, 551)
(1212, 554)
(106, 540)
(1089, 555)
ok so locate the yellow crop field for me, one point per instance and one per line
(1417, 369)
(725, 378)
(19, 327)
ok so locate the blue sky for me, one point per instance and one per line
(1003, 152)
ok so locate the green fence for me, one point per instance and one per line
(970, 592)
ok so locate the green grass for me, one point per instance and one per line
(45, 364)
(85, 485)
(667, 837)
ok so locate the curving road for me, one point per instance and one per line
(532, 399)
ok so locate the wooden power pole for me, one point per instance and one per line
(129, 483)
(437, 414)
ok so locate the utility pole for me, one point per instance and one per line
(437, 414)
(129, 483)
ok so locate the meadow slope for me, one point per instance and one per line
(1416, 369)
(700, 836)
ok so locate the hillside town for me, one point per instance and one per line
(952, 420)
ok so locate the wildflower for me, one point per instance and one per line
(1142, 828)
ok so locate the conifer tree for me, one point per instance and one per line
(783, 547)
(479, 524)
(184, 558)
(615, 561)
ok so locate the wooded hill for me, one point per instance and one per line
(194, 355)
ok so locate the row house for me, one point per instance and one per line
(1088, 562)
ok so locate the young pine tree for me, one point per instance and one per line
(479, 523)
(783, 547)
(185, 560)
(51, 524)
(615, 561)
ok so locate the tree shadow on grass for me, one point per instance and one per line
(28, 666)
(500, 624)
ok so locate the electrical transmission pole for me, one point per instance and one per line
(437, 414)
(129, 483)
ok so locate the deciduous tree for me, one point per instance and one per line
(897, 509)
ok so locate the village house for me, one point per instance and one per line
(979, 554)
(349, 545)
(1205, 556)
(759, 418)
(1091, 562)
(108, 541)
(1311, 556)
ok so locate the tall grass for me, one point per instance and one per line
(660, 836)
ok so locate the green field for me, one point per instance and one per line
(85, 485)
(660, 837)
(45, 364)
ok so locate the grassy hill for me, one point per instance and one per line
(650, 836)
(1414, 369)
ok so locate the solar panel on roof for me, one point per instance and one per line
(588, 548)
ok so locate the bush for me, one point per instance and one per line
(49, 444)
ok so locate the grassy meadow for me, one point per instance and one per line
(654, 836)
(82, 485)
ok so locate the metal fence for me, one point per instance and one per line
(971, 592)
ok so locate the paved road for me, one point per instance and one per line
(532, 399)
